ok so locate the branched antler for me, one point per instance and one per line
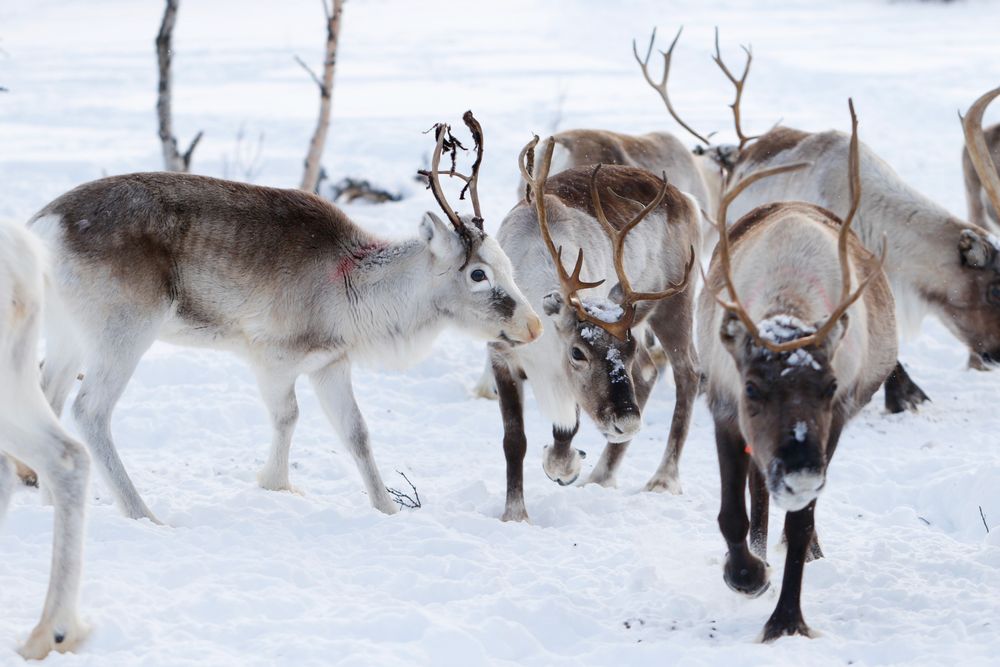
(661, 87)
(847, 298)
(738, 84)
(572, 283)
(446, 142)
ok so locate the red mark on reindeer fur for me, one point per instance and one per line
(354, 259)
(747, 449)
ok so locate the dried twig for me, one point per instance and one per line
(310, 178)
(983, 516)
(172, 159)
(350, 189)
(404, 499)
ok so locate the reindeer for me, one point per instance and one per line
(790, 358)
(982, 211)
(697, 172)
(593, 355)
(30, 432)
(280, 277)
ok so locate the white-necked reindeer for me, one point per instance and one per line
(31, 433)
(982, 211)
(790, 357)
(280, 277)
(593, 354)
(937, 262)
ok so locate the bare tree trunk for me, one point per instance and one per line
(172, 160)
(310, 179)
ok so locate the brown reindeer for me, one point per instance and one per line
(790, 354)
(593, 356)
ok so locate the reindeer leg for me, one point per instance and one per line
(760, 502)
(62, 464)
(672, 323)
(743, 572)
(27, 476)
(515, 443)
(7, 476)
(110, 365)
(277, 388)
(333, 387)
(787, 616)
(901, 392)
(486, 387)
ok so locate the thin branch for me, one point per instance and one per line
(983, 516)
(316, 79)
(310, 176)
(404, 499)
(172, 159)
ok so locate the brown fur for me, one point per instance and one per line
(771, 143)
(572, 187)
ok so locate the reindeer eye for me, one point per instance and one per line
(993, 294)
(753, 392)
(830, 390)
(578, 354)
(478, 275)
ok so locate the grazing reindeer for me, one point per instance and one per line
(789, 358)
(982, 211)
(31, 433)
(937, 262)
(594, 355)
(280, 277)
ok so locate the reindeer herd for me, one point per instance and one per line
(815, 244)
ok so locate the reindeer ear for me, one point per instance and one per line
(733, 333)
(552, 303)
(617, 294)
(976, 249)
(440, 237)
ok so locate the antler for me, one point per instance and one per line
(446, 142)
(847, 298)
(621, 328)
(571, 283)
(738, 84)
(661, 87)
(979, 153)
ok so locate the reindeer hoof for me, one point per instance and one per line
(670, 485)
(606, 480)
(515, 514)
(902, 393)
(751, 578)
(782, 625)
(45, 638)
(26, 474)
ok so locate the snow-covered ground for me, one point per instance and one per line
(243, 576)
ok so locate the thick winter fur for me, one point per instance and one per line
(655, 255)
(981, 211)
(32, 434)
(787, 408)
(280, 277)
(936, 262)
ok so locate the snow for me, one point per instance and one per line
(242, 576)
(603, 309)
(617, 371)
(800, 430)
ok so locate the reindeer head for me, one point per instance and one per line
(973, 309)
(787, 401)
(788, 387)
(475, 275)
(597, 338)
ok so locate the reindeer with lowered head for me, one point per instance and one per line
(790, 354)
(593, 355)
(937, 262)
(31, 433)
(280, 277)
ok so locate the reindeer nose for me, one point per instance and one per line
(534, 327)
(627, 425)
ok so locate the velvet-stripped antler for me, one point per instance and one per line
(979, 153)
(738, 84)
(446, 142)
(847, 298)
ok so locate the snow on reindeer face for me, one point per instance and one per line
(599, 366)
(786, 405)
(482, 296)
